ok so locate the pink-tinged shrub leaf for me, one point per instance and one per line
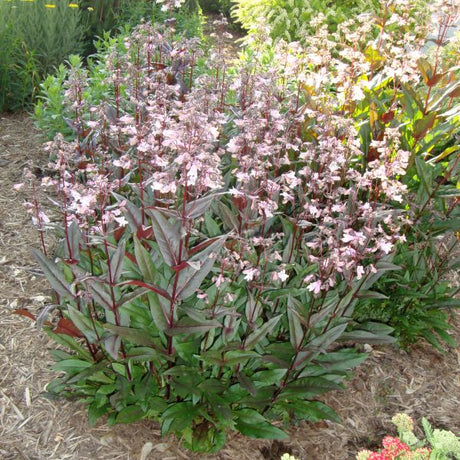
(54, 276)
(167, 237)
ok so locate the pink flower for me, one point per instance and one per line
(315, 287)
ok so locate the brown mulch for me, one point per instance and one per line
(421, 382)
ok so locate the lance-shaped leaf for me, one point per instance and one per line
(197, 208)
(150, 287)
(116, 262)
(167, 237)
(112, 344)
(100, 294)
(135, 336)
(144, 261)
(74, 238)
(158, 311)
(190, 326)
(318, 344)
(54, 276)
(250, 423)
(295, 327)
(261, 332)
(84, 324)
(200, 265)
(131, 212)
(227, 216)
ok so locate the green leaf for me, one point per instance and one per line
(158, 311)
(250, 423)
(268, 377)
(84, 324)
(313, 411)
(261, 332)
(177, 417)
(69, 342)
(200, 265)
(54, 276)
(167, 237)
(247, 384)
(116, 262)
(95, 412)
(197, 208)
(296, 334)
(423, 125)
(144, 261)
(100, 294)
(71, 366)
(135, 336)
(228, 217)
(130, 414)
(212, 227)
(189, 326)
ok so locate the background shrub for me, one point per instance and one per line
(34, 40)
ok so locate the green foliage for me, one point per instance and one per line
(292, 20)
(216, 6)
(427, 115)
(34, 40)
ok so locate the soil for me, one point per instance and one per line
(420, 382)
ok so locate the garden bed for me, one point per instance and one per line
(420, 382)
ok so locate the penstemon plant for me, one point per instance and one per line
(220, 226)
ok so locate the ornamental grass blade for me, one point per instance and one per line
(167, 237)
(261, 332)
(54, 276)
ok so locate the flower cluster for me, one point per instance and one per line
(408, 447)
